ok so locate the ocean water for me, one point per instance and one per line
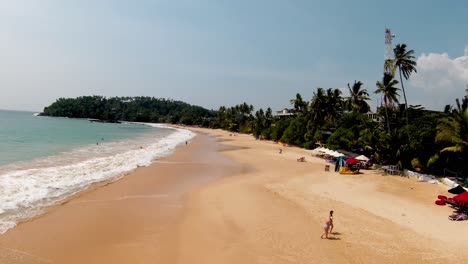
(45, 159)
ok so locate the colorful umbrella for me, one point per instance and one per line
(462, 197)
(352, 160)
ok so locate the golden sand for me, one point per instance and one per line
(240, 201)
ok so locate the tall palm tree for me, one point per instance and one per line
(404, 61)
(389, 92)
(334, 105)
(299, 104)
(357, 98)
(318, 105)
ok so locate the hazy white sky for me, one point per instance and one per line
(220, 52)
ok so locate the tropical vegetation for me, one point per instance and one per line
(409, 136)
(138, 109)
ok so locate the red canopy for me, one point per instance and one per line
(462, 197)
(352, 160)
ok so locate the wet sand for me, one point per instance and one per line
(234, 199)
(133, 220)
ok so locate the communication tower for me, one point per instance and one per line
(388, 48)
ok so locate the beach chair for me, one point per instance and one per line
(392, 170)
(454, 204)
(301, 159)
(458, 217)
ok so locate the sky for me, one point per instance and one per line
(223, 52)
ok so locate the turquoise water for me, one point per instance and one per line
(24, 136)
(46, 159)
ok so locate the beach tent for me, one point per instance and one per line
(462, 197)
(339, 163)
(362, 158)
(352, 160)
(457, 190)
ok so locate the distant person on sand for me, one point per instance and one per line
(186, 143)
(280, 150)
(328, 227)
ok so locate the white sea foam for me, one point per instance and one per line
(24, 192)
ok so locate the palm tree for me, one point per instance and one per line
(404, 61)
(452, 135)
(357, 99)
(389, 92)
(453, 130)
(318, 105)
(299, 104)
(334, 105)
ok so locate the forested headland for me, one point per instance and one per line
(135, 109)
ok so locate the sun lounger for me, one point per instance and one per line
(450, 202)
(301, 159)
(458, 217)
(461, 206)
(392, 170)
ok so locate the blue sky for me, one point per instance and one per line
(218, 52)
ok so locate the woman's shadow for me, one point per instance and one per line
(335, 234)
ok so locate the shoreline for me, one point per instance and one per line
(46, 181)
(234, 199)
(92, 226)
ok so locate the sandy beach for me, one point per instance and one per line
(227, 198)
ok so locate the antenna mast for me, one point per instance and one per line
(388, 49)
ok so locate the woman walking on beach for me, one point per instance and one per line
(328, 227)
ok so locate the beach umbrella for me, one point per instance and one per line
(319, 149)
(462, 197)
(457, 190)
(336, 154)
(352, 160)
(362, 158)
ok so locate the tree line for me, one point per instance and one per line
(409, 136)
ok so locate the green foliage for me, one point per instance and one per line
(279, 128)
(294, 134)
(140, 109)
(413, 138)
(341, 139)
